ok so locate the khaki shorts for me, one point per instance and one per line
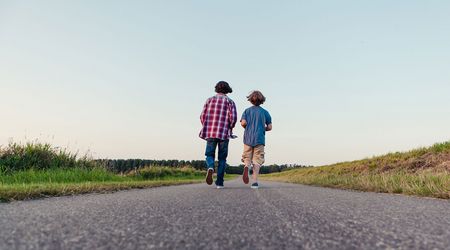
(253, 155)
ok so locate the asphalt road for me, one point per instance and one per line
(277, 216)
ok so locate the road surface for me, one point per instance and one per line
(277, 216)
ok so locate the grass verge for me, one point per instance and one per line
(12, 192)
(32, 183)
(421, 172)
(34, 170)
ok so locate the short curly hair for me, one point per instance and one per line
(256, 98)
(223, 88)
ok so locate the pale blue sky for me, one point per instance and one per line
(127, 79)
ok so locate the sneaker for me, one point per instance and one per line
(209, 176)
(255, 185)
(245, 175)
(220, 187)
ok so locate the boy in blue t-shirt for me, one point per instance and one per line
(256, 122)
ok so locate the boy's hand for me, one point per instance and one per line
(269, 127)
(243, 123)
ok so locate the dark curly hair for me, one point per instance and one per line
(256, 98)
(223, 88)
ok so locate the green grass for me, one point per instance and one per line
(35, 170)
(32, 183)
(421, 172)
(77, 175)
(11, 192)
(70, 175)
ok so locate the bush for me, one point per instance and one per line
(153, 172)
(234, 170)
(127, 165)
(39, 156)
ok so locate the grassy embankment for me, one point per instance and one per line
(38, 170)
(421, 172)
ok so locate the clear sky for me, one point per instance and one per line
(344, 80)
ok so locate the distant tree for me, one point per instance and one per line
(123, 166)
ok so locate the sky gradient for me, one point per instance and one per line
(344, 80)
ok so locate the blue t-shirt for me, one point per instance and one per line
(255, 132)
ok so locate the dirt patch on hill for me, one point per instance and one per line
(428, 161)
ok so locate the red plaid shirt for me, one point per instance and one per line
(218, 117)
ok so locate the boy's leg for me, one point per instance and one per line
(223, 154)
(256, 168)
(258, 161)
(210, 153)
(247, 160)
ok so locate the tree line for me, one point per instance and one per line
(127, 165)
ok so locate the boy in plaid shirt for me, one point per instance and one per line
(218, 119)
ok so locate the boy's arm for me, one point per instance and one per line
(232, 114)
(244, 119)
(204, 112)
(268, 122)
(243, 123)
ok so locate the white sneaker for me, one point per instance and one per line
(220, 187)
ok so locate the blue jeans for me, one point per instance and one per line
(211, 145)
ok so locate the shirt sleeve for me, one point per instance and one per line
(268, 118)
(244, 115)
(204, 112)
(232, 114)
